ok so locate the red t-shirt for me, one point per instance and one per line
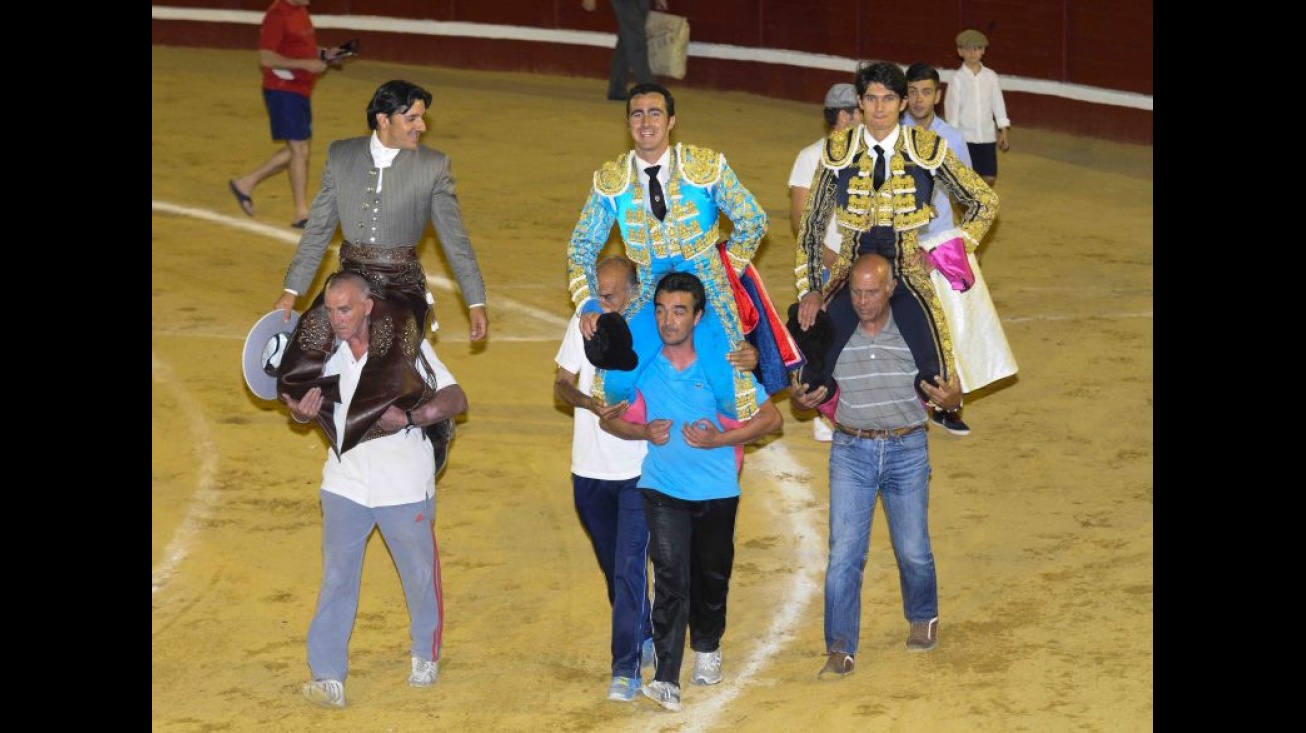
(287, 30)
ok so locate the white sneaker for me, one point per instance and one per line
(424, 673)
(327, 693)
(707, 668)
(664, 693)
(821, 430)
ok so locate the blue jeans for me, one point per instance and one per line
(898, 470)
(612, 513)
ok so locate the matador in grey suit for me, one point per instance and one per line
(381, 190)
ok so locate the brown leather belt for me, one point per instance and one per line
(876, 433)
(367, 253)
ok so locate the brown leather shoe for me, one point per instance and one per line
(837, 666)
(924, 635)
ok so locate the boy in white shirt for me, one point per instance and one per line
(974, 105)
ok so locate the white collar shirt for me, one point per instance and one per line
(887, 144)
(664, 177)
(382, 158)
(386, 471)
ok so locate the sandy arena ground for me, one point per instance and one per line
(1042, 519)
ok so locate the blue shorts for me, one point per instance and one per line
(984, 158)
(291, 115)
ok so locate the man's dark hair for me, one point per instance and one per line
(682, 282)
(649, 87)
(881, 72)
(832, 114)
(395, 97)
(920, 71)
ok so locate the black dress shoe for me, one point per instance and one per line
(441, 435)
(299, 224)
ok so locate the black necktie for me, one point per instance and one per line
(656, 199)
(878, 176)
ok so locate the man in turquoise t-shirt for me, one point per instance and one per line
(690, 483)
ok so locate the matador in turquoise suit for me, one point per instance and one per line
(667, 201)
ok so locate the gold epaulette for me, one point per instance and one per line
(926, 147)
(614, 176)
(839, 148)
(698, 165)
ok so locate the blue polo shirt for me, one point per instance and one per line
(677, 469)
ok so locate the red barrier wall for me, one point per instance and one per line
(1097, 43)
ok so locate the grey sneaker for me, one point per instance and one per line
(924, 635)
(623, 689)
(837, 666)
(707, 668)
(424, 673)
(327, 693)
(664, 693)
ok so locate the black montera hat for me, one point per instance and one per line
(611, 346)
(814, 343)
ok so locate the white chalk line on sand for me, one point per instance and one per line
(205, 497)
(792, 480)
(441, 283)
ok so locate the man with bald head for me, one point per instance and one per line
(879, 447)
(387, 483)
(605, 487)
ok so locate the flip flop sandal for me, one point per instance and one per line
(246, 203)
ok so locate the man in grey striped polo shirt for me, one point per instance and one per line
(879, 448)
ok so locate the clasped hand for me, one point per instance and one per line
(806, 397)
(306, 408)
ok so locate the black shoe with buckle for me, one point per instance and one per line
(950, 421)
(441, 435)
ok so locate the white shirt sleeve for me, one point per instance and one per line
(997, 102)
(571, 354)
(443, 377)
(805, 165)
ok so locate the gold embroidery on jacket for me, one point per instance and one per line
(380, 337)
(700, 166)
(315, 333)
(839, 148)
(614, 176)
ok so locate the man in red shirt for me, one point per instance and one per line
(291, 61)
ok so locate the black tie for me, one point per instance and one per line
(658, 201)
(878, 176)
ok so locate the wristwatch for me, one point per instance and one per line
(410, 424)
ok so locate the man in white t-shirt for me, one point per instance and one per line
(841, 112)
(604, 475)
(386, 482)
